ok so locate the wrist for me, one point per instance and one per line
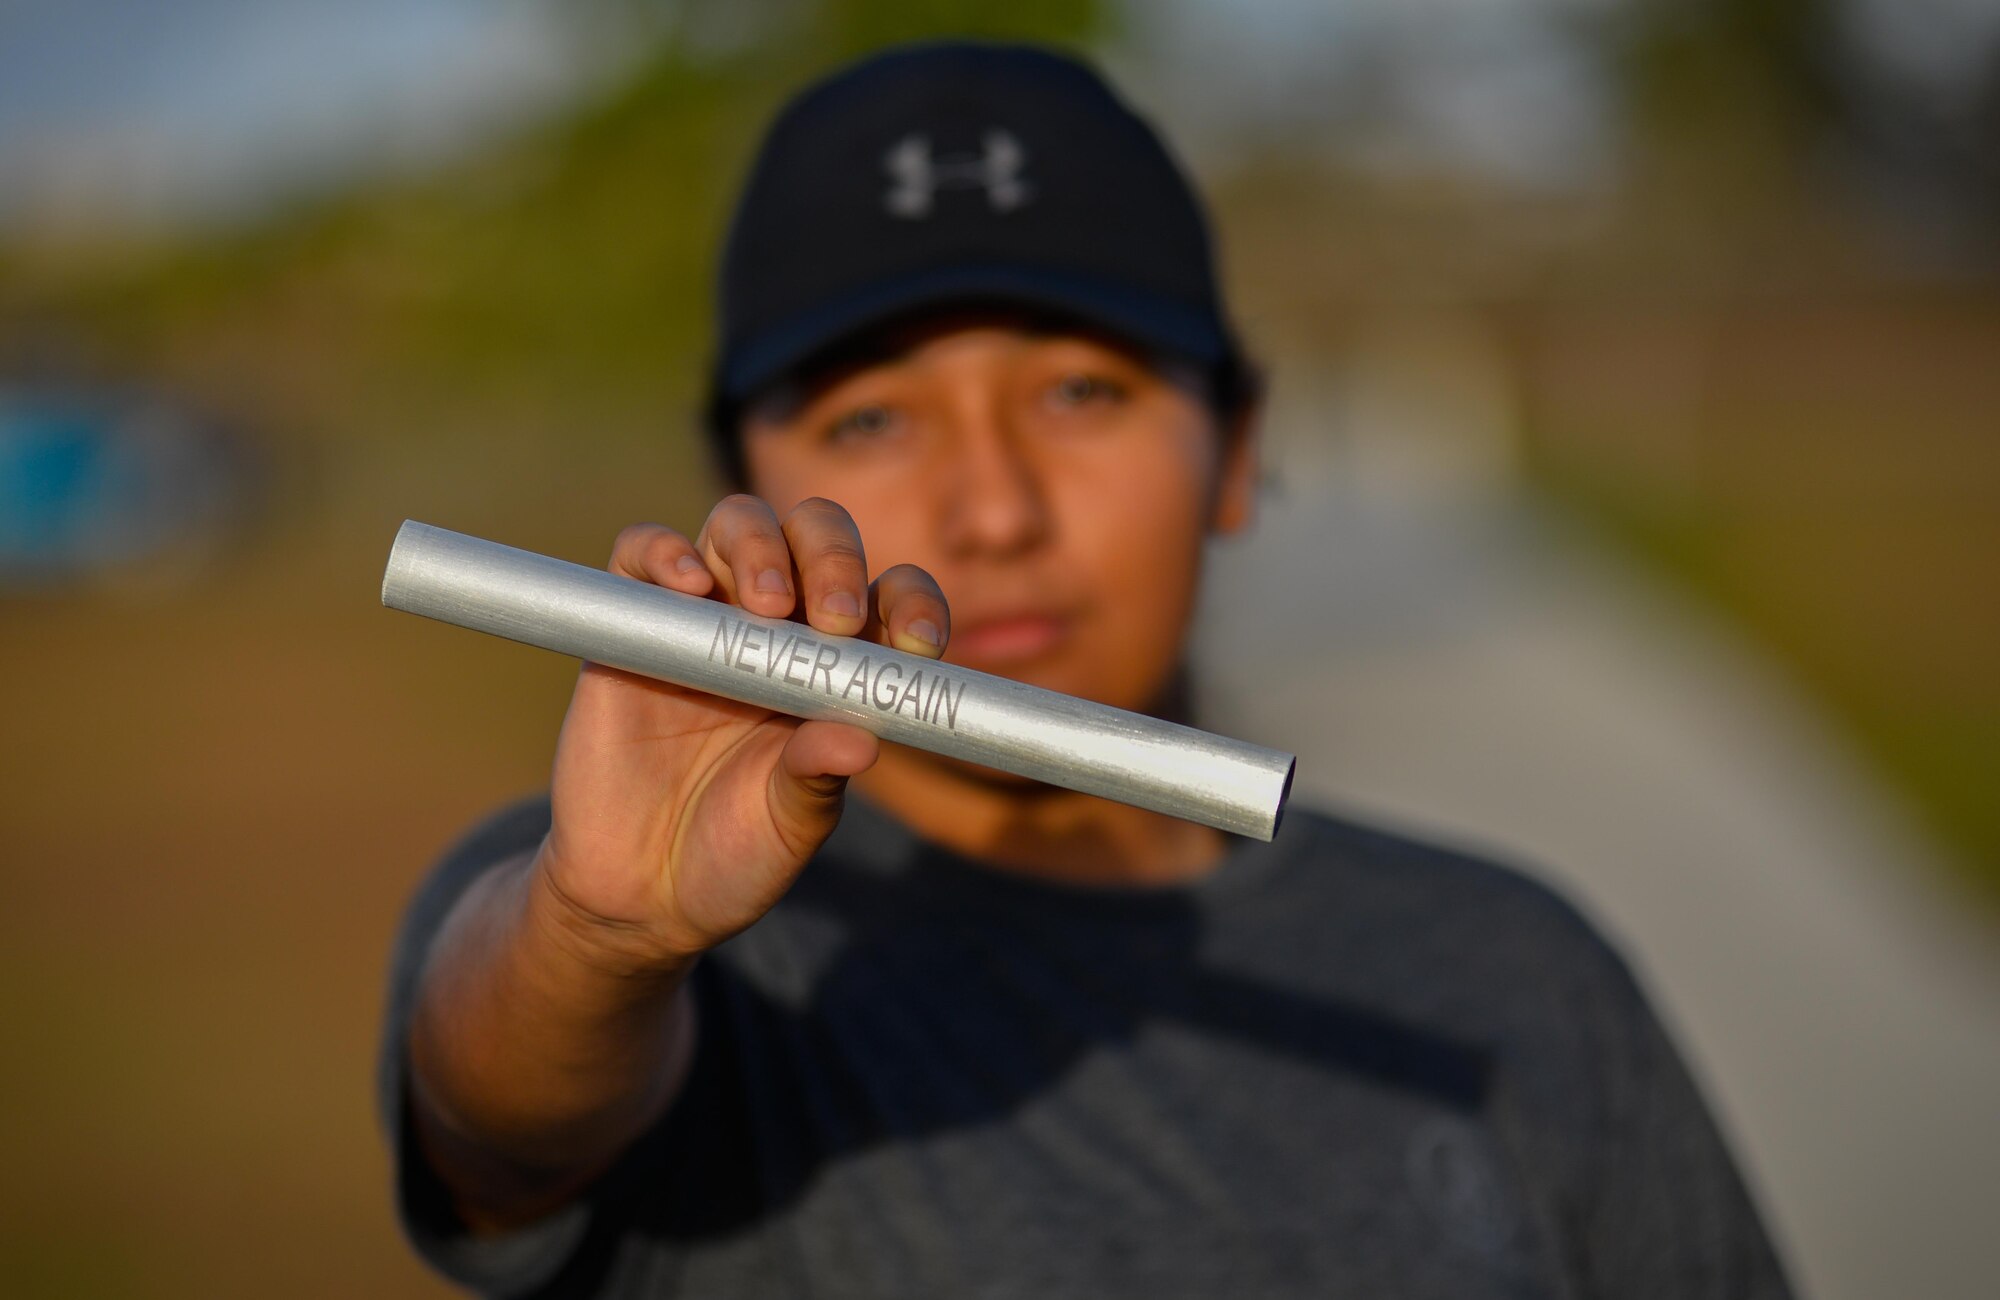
(623, 950)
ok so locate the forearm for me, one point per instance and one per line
(538, 1049)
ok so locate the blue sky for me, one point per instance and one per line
(161, 108)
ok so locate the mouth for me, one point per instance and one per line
(1007, 640)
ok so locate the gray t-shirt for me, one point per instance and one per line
(1343, 1064)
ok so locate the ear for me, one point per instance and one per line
(1238, 472)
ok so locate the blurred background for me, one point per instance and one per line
(1631, 515)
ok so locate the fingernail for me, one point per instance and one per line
(924, 630)
(842, 603)
(687, 563)
(773, 581)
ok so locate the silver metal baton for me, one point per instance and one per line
(790, 668)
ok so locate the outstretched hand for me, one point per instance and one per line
(681, 817)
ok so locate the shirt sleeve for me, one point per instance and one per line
(519, 1262)
(1664, 1210)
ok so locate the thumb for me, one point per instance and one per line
(810, 779)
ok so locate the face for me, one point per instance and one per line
(1057, 485)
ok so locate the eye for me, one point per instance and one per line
(1082, 389)
(862, 423)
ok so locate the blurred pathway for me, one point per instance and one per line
(1454, 664)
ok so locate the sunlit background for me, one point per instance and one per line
(1631, 515)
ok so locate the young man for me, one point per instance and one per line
(706, 1022)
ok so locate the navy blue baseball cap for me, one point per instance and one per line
(947, 174)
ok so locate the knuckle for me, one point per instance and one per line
(738, 520)
(822, 532)
(740, 506)
(823, 510)
(912, 580)
(634, 537)
(724, 519)
(837, 552)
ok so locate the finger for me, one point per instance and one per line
(810, 779)
(747, 552)
(907, 610)
(832, 568)
(657, 554)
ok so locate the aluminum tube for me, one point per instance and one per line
(788, 667)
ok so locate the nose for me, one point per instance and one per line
(997, 505)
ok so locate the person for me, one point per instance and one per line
(753, 1006)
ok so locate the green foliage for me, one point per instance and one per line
(847, 28)
(566, 268)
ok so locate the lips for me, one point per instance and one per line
(1008, 638)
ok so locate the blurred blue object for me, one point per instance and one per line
(93, 482)
(51, 480)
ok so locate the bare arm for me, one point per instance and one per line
(552, 1023)
(536, 1056)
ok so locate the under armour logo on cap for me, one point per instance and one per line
(918, 174)
(1000, 173)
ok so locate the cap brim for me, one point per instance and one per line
(1140, 318)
